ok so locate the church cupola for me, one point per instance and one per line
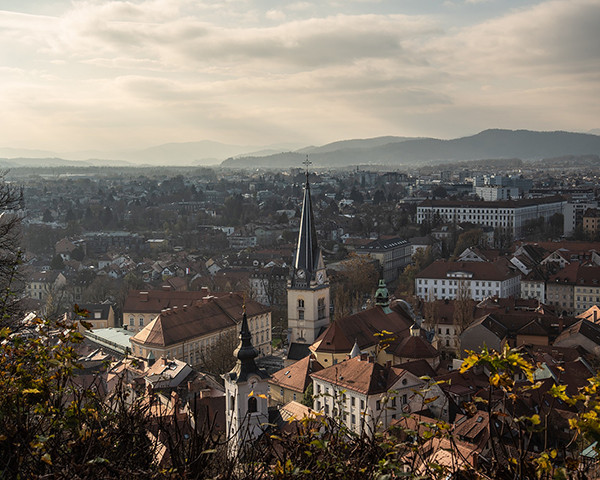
(382, 297)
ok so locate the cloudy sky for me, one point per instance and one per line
(107, 75)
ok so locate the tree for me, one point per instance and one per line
(11, 285)
(218, 358)
(57, 262)
(463, 310)
(467, 239)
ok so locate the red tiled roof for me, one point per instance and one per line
(361, 375)
(179, 324)
(153, 301)
(361, 327)
(296, 376)
(413, 347)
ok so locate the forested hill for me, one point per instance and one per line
(396, 151)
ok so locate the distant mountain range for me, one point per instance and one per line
(397, 151)
(389, 151)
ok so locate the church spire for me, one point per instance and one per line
(307, 250)
(245, 353)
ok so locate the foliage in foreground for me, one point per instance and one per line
(55, 424)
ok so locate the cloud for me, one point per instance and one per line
(221, 69)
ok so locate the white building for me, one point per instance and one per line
(511, 215)
(367, 396)
(573, 215)
(443, 280)
(494, 193)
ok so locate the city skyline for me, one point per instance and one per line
(108, 75)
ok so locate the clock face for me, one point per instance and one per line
(320, 277)
(300, 273)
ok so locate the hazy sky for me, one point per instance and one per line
(104, 75)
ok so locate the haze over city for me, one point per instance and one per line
(100, 76)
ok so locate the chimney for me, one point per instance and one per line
(164, 361)
(388, 364)
(561, 324)
(595, 316)
(363, 356)
(144, 296)
(204, 291)
(371, 359)
(166, 288)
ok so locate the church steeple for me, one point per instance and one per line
(246, 391)
(308, 255)
(308, 289)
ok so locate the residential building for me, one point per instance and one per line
(495, 193)
(39, 284)
(573, 215)
(368, 397)
(99, 315)
(268, 285)
(290, 383)
(591, 222)
(443, 279)
(586, 290)
(560, 291)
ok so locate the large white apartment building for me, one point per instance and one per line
(443, 280)
(507, 214)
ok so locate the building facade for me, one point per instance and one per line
(510, 215)
(393, 255)
(479, 280)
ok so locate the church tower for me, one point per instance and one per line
(246, 390)
(308, 288)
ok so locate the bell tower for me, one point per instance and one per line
(308, 287)
(246, 390)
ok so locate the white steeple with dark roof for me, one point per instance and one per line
(246, 391)
(308, 288)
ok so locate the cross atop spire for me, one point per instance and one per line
(307, 163)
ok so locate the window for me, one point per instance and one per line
(231, 402)
(131, 321)
(252, 405)
(362, 404)
(352, 401)
(404, 399)
(142, 322)
(300, 303)
(321, 308)
(378, 405)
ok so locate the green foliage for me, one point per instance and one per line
(50, 424)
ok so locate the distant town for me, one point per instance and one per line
(268, 295)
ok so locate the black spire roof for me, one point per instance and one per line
(307, 250)
(245, 353)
